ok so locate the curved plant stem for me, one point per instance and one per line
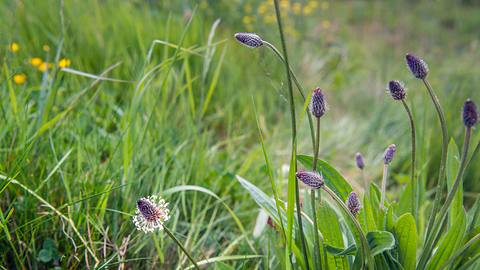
(294, 132)
(316, 251)
(367, 256)
(444, 210)
(412, 171)
(170, 234)
(365, 182)
(441, 174)
(384, 185)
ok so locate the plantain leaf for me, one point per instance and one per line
(380, 241)
(333, 179)
(453, 163)
(329, 225)
(406, 234)
(450, 242)
(351, 250)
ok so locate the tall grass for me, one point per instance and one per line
(143, 111)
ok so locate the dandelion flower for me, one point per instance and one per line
(64, 63)
(45, 66)
(36, 61)
(151, 214)
(20, 78)
(14, 47)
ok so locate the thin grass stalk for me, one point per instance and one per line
(441, 173)
(300, 88)
(316, 251)
(412, 169)
(294, 132)
(459, 253)
(366, 254)
(444, 210)
(384, 185)
(177, 242)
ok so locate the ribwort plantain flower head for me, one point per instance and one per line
(152, 212)
(389, 153)
(470, 113)
(417, 66)
(397, 90)
(359, 161)
(311, 179)
(250, 40)
(317, 103)
(353, 203)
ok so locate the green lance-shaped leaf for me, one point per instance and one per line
(333, 179)
(406, 235)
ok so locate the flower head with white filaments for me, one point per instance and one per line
(152, 212)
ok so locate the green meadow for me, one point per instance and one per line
(105, 102)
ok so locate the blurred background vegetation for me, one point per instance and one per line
(91, 147)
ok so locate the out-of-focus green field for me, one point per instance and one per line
(79, 146)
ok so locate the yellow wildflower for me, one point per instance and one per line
(297, 8)
(247, 20)
(284, 4)
(44, 66)
(36, 61)
(20, 78)
(307, 10)
(326, 24)
(262, 9)
(269, 19)
(313, 4)
(46, 48)
(64, 62)
(14, 47)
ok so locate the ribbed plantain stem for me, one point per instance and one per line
(412, 169)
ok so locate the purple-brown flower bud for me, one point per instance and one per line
(317, 103)
(353, 203)
(470, 113)
(359, 160)
(417, 66)
(250, 40)
(311, 179)
(397, 90)
(389, 153)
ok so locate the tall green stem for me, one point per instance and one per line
(444, 210)
(316, 251)
(366, 254)
(294, 132)
(170, 234)
(384, 185)
(441, 172)
(412, 169)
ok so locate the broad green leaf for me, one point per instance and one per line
(449, 243)
(351, 250)
(333, 179)
(367, 214)
(453, 163)
(380, 241)
(406, 235)
(332, 235)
